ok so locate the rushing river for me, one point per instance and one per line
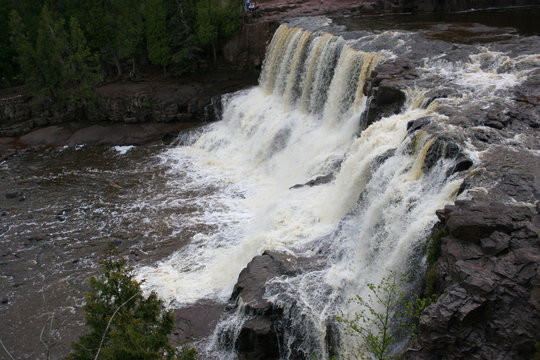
(190, 217)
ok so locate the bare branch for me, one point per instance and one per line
(1, 343)
(109, 323)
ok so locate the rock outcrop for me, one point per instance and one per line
(259, 339)
(385, 91)
(165, 104)
(488, 281)
(248, 47)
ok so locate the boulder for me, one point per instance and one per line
(196, 321)
(258, 340)
(252, 280)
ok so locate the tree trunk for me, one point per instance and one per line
(133, 68)
(118, 66)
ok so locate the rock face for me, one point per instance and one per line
(259, 339)
(248, 47)
(488, 278)
(384, 89)
(131, 102)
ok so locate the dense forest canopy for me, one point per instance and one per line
(62, 49)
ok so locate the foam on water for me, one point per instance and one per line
(302, 122)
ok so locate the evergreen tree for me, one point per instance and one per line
(7, 51)
(157, 35)
(25, 56)
(99, 28)
(51, 52)
(185, 51)
(83, 67)
(217, 20)
(124, 323)
(130, 30)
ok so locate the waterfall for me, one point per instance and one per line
(302, 122)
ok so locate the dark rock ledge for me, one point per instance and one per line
(488, 281)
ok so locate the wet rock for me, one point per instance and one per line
(258, 340)
(50, 136)
(332, 338)
(323, 179)
(260, 336)
(251, 282)
(441, 148)
(488, 281)
(417, 124)
(196, 321)
(12, 194)
(462, 163)
(379, 160)
(384, 89)
(248, 47)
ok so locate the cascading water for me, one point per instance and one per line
(301, 122)
(296, 168)
(372, 215)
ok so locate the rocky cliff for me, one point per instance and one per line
(488, 284)
(127, 106)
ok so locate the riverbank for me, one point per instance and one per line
(128, 113)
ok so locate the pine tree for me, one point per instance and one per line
(83, 71)
(217, 20)
(7, 51)
(25, 56)
(124, 324)
(130, 30)
(51, 52)
(157, 36)
(185, 50)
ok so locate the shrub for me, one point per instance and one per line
(124, 324)
(383, 316)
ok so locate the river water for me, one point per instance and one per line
(191, 216)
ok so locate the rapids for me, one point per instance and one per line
(194, 215)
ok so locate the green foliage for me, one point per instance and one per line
(22, 45)
(58, 64)
(51, 50)
(83, 70)
(429, 289)
(433, 254)
(217, 20)
(185, 47)
(48, 43)
(434, 246)
(7, 51)
(124, 324)
(188, 353)
(158, 44)
(537, 352)
(382, 317)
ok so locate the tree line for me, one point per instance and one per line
(64, 48)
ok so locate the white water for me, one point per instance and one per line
(300, 123)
